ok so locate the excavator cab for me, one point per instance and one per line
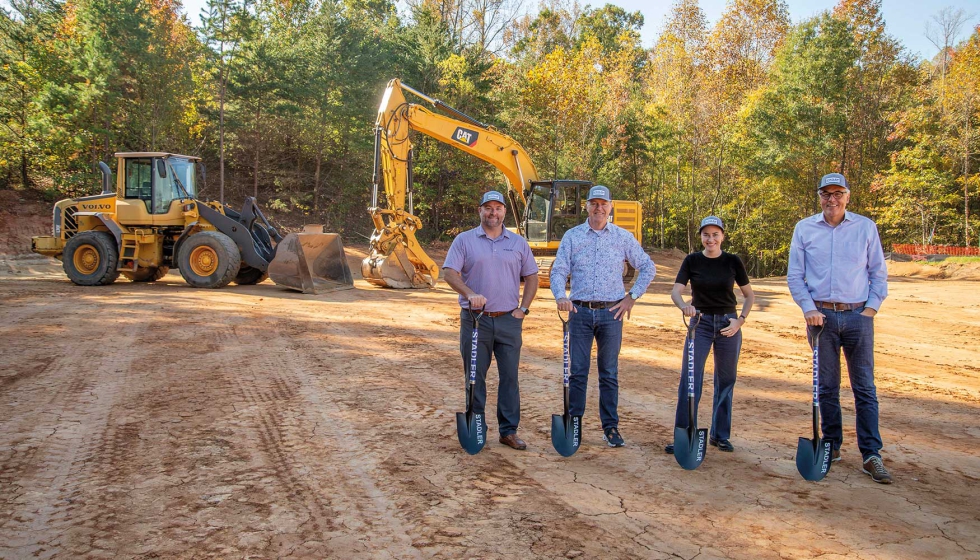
(553, 208)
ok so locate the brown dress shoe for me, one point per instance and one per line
(511, 440)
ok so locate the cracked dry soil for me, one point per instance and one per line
(159, 421)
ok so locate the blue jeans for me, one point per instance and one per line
(726, 350)
(501, 337)
(854, 333)
(584, 327)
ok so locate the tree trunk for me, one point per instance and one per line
(221, 144)
(316, 182)
(258, 147)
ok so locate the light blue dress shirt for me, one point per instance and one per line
(595, 261)
(843, 264)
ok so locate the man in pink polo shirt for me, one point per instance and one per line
(485, 266)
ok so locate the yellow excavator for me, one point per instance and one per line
(543, 209)
(150, 221)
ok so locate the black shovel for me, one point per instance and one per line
(690, 442)
(813, 455)
(471, 427)
(566, 430)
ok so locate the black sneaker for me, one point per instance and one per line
(669, 449)
(877, 470)
(722, 444)
(613, 438)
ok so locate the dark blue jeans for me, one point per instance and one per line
(501, 337)
(584, 327)
(854, 333)
(708, 335)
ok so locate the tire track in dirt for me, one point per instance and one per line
(44, 462)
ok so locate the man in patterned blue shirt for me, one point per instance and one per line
(593, 254)
(837, 276)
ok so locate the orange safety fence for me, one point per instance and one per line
(910, 249)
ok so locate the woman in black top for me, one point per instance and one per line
(713, 274)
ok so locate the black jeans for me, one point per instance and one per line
(501, 338)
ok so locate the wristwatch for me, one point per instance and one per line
(633, 296)
(525, 310)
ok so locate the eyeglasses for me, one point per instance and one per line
(836, 195)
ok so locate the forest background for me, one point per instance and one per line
(738, 119)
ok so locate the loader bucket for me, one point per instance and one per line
(312, 263)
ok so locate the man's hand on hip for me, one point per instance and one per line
(814, 318)
(623, 308)
(869, 312)
(565, 304)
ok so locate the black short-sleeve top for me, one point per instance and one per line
(713, 281)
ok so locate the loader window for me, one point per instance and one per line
(165, 190)
(186, 173)
(139, 174)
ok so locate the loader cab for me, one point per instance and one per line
(149, 187)
(554, 207)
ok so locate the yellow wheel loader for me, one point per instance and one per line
(150, 221)
(543, 209)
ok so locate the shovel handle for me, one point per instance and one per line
(566, 357)
(691, 328)
(475, 338)
(813, 337)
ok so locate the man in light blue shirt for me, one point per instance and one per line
(593, 254)
(837, 276)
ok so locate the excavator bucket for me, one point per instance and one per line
(312, 262)
(397, 270)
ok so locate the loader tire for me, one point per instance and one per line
(248, 276)
(90, 259)
(147, 273)
(209, 259)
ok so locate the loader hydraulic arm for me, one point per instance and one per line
(397, 260)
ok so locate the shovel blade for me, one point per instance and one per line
(472, 431)
(813, 458)
(689, 447)
(566, 432)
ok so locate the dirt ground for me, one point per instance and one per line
(159, 421)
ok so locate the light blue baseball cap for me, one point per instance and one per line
(492, 196)
(833, 179)
(599, 191)
(712, 221)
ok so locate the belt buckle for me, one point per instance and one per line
(835, 307)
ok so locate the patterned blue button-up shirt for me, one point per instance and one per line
(594, 258)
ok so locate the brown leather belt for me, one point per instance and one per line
(498, 313)
(839, 306)
(594, 304)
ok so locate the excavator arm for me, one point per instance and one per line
(396, 259)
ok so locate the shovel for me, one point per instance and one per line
(689, 442)
(471, 427)
(566, 430)
(813, 455)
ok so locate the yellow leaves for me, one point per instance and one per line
(456, 76)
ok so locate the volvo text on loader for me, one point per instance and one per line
(150, 221)
(544, 209)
